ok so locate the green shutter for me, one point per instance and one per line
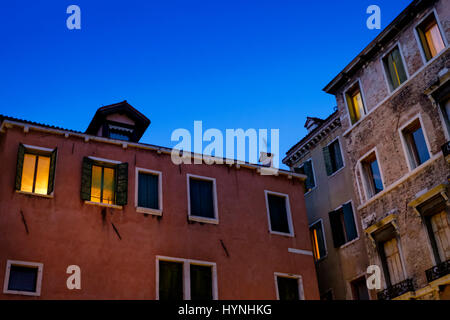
(19, 168)
(399, 63)
(424, 42)
(327, 159)
(349, 221)
(51, 174)
(310, 183)
(336, 228)
(86, 179)
(337, 155)
(121, 184)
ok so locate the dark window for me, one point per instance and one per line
(104, 183)
(430, 37)
(395, 70)
(119, 135)
(148, 195)
(327, 296)
(23, 278)
(333, 157)
(201, 282)
(278, 213)
(287, 288)
(372, 175)
(359, 289)
(202, 198)
(343, 225)
(307, 169)
(318, 240)
(416, 145)
(170, 280)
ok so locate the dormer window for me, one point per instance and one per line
(118, 132)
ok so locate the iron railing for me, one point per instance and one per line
(396, 290)
(438, 271)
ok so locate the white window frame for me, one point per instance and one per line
(320, 220)
(313, 172)
(187, 275)
(363, 175)
(37, 265)
(405, 144)
(288, 213)
(342, 155)
(214, 220)
(386, 78)
(157, 212)
(301, 293)
(416, 34)
(366, 111)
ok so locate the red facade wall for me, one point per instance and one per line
(64, 230)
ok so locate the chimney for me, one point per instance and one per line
(266, 159)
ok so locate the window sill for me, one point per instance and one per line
(48, 196)
(345, 245)
(336, 172)
(203, 219)
(22, 293)
(290, 235)
(104, 205)
(155, 212)
(310, 191)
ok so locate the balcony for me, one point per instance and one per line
(396, 290)
(442, 269)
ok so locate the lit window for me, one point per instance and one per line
(416, 146)
(395, 70)
(318, 240)
(333, 157)
(35, 170)
(343, 225)
(355, 103)
(430, 37)
(104, 182)
(372, 175)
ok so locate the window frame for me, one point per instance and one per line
(405, 146)
(342, 155)
(157, 212)
(347, 243)
(363, 98)
(288, 213)
(35, 265)
(364, 177)
(386, 77)
(351, 284)
(313, 173)
(186, 275)
(214, 220)
(320, 220)
(301, 291)
(419, 42)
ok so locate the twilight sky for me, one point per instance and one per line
(232, 64)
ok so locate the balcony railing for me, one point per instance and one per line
(396, 290)
(442, 269)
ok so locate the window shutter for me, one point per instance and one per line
(399, 64)
(327, 159)
(336, 228)
(310, 183)
(349, 220)
(19, 168)
(51, 173)
(321, 241)
(86, 179)
(338, 155)
(351, 108)
(424, 42)
(122, 184)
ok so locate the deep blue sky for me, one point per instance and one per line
(232, 64)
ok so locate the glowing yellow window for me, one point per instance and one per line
(355, 103)
(102, 186)
(318, 241)
(35, 170)
(430, 37)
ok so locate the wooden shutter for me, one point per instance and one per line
(201, 282)
(148, 196)
(51, 173)
(397, 58)
(351, 108)
(122, 184)
(336, 228)
(287, 288)
(170, 280)
(337, 155)
(393, 261)
(86, 179)
(310, 183)
(19, 167)
(441, 232)
(423, 40)
(278, 213)
(327, 159)
(349, 221)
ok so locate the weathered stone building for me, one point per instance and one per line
(393, 101)
(336, 234)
